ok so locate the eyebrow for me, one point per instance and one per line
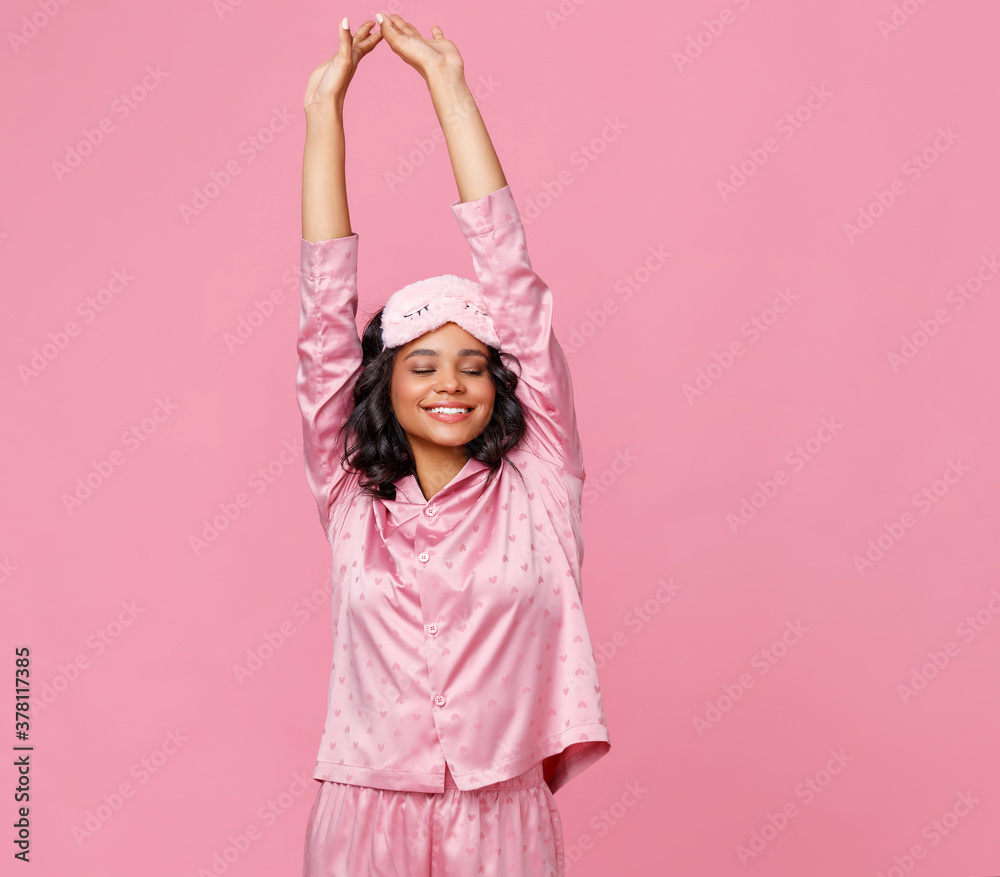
(427, 351)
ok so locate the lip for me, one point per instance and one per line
(448, 418)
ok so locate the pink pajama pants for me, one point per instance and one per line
(508, 829)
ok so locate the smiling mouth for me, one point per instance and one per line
(449, 413)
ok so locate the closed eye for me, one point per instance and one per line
(427, 371)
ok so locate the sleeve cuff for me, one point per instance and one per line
(491, 212)
(333, 258)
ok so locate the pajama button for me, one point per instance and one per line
(439, 700)
(431, 511)
(424, 557)
(432, 628)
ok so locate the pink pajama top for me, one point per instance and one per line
(459, 634)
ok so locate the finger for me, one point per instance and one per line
(346, 41)
(437, 33)
(343, 45)
(366, 45)
(364, 36)
(404, 26)
(389, 30)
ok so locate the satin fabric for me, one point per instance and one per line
(508, 828)
(459, 632)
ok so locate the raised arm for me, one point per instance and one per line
(519, 301)
(473, 158)
(325, 212)
(329, 349)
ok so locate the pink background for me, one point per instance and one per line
(614, 150)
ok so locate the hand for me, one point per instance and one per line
(426, 56)
(328, 82)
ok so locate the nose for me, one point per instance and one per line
(449, 381)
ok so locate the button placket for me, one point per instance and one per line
(432, 628)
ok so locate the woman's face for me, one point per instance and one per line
(446, 367)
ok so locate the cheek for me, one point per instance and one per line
(397, 396)
(405, 394)
(490, 399)
(399, 388)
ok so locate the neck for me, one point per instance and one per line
(437, 465)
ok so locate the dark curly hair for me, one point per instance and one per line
(376, 445)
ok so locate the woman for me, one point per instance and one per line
(463, 691)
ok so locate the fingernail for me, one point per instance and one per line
(344, 24)
(378, 17)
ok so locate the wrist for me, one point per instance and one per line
(452, 98)
(325, 112)
(445, 77)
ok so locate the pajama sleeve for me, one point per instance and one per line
(329, 351)
(520, 305)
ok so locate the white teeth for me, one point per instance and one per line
(449, 410)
